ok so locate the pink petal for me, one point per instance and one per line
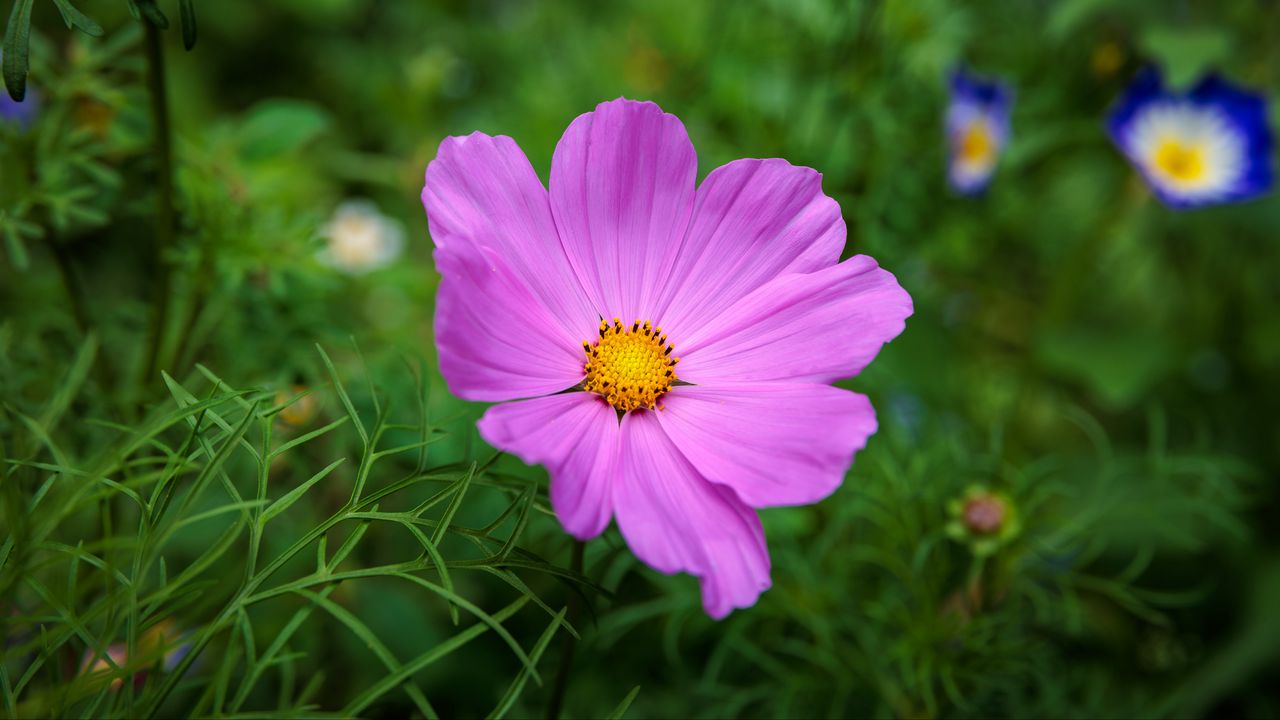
(675, 520)
(576, 436)
(816, 327)
(772, 443)
(496, 341)
(482, 191)
(622, 184)
(752, 220)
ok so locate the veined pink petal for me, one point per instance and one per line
(496, 341)
(576, 436)
(752, 221)
(772, 443)
(815, 327)
(622, 184)
(481, 190)
(675, 520)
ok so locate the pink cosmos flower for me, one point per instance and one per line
(666, 349)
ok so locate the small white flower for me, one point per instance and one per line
(361, 239)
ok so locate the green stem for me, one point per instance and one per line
(570, 643)
(79, 307)
(973, 588)
(185, 351)
(164, 202)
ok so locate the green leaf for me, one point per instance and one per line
(344, 397)
(375, 645)
(1186, 53)
(623, 706)
(522, 678)
(280, 126)
(1117, 366)
(17, 249)
(151, 13)
(187, 16)
(76, 19)
(16, 36)
(1067, 16)
(366, 698)
(463, 483)
(71, 384)
(293, 495)
(301, 439)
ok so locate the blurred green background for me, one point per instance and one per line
(1105, 363)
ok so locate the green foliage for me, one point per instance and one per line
(328, 536)
(188, 522)
(18, 33)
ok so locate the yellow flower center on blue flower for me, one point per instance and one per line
(1180, 161)
(631, 367)
(977, 144)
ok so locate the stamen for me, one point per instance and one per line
(1180, 162)
(629, 367)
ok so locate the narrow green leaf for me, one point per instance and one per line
(522, 678)
(6, 692)
(151, 13)
(70, 385)
(372, 642)
(402, 571)
(293, 495)
(623, 706)
(366, 698)
(187, 16)
(409, 446)
(76, 19)
(255, 669)
(436, 559)
(233, 439)
(187, 402)
(514, 581)
(17, 249)
(349, 545)
(521, 521)
(342, 395)
(230, 507)
(484, 617)
(16, 36)
(454, 504)
(192, 571)
(301, 439)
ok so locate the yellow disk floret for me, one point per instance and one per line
(1181, 162)
(977, 144)
(631, 367)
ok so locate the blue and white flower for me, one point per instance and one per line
(1206, 146)
(977, 130)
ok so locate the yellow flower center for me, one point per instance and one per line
(1180, 161)
(977, 145)
(631, 367)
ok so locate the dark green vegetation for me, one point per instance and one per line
(178, 453)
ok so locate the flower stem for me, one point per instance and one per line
(164, 200)
(79, 307)
(570, 643)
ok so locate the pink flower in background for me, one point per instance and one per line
(665, 349)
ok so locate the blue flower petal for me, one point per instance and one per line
(1245, 111)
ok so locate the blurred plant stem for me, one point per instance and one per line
(973, 587)
(164, 209)
(70, 283)
(79, 307)
(185, 352)
(570, 642)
